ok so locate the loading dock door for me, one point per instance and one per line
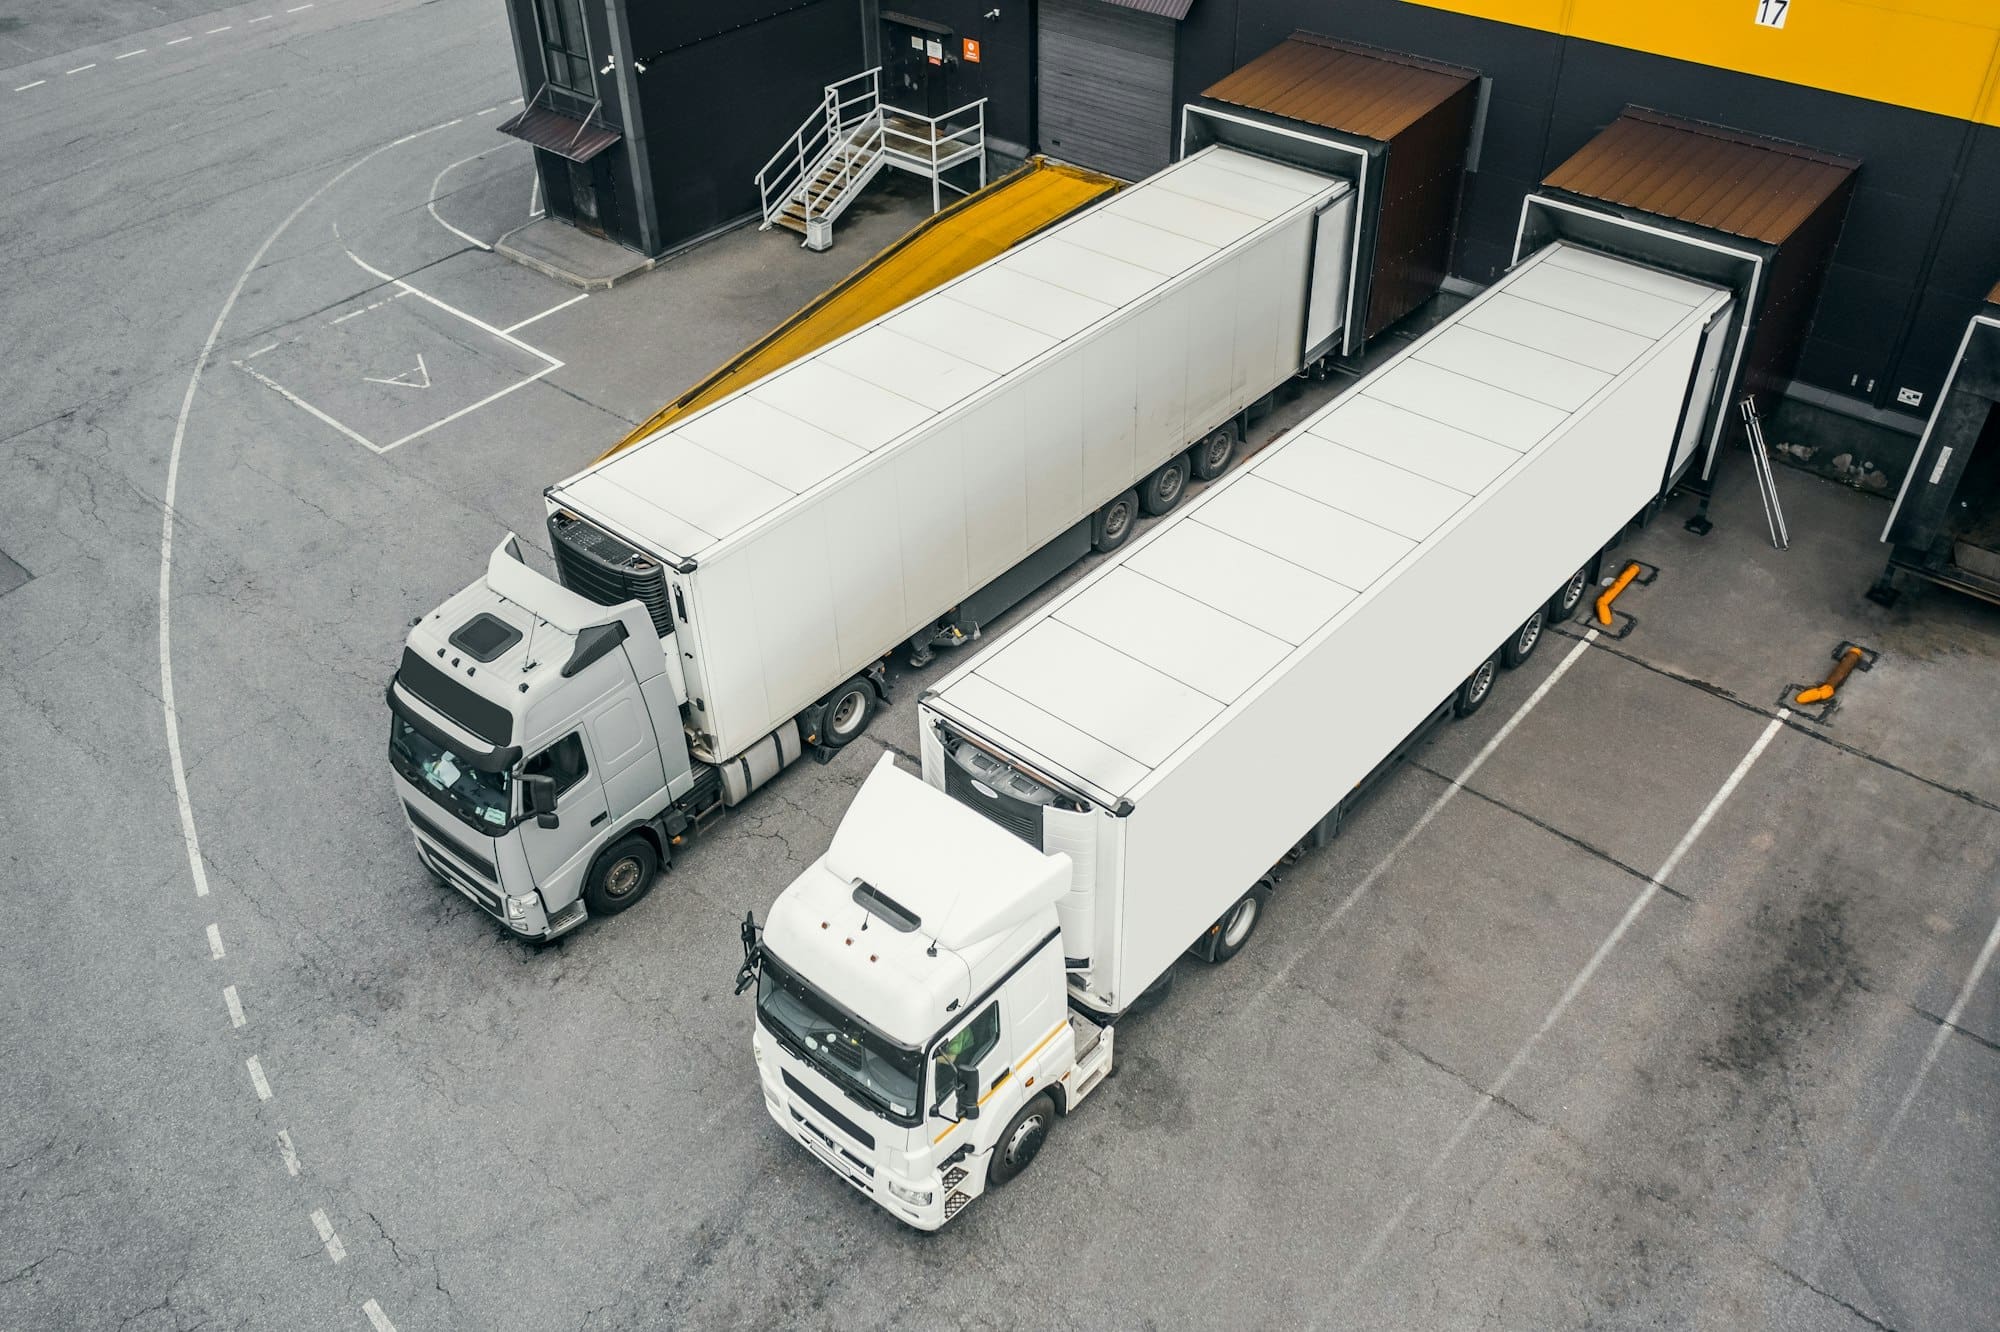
(1106, 96)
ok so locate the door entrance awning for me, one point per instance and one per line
(564, 133)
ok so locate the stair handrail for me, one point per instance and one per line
(799, 159)
(938, 136)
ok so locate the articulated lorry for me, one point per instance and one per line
(732, 586)
(1115, 782)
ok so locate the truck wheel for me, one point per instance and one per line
(1228, 935)
(1478, 687)
(1113, 523)
(1164, 488)
(1213, 455)
(1022, 1141)
(846, 713)
(1564, 603)
(621, 876)
(1522, 645)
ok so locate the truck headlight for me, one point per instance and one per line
(517, 907)
(915, 1197)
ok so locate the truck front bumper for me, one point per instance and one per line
(523, 916)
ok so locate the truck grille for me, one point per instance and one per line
(451, 844)
(1007, 797)
(592, 563)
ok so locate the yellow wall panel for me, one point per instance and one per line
(1941, 56)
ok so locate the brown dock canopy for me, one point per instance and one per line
(1336, 85)
(1760, 189)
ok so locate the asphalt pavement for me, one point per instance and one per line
(1636, 1000)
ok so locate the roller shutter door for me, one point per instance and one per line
(1106, 98)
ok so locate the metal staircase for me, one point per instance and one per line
(845, 143)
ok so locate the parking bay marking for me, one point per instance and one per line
(403, 380)
(1569, 994)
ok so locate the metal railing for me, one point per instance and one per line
(844, 106)
(939, 146)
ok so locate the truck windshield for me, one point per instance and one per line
(477, 798)
(876, 1072)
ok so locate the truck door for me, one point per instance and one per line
(559, 852)
(976, 1044)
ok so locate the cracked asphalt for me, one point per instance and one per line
(1771, 1102)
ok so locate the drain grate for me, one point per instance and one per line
(12, 575)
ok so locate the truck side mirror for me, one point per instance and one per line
(538, 794)
(968, 1091)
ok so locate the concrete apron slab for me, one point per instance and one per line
(561, 251)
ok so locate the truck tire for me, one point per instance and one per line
(1564, 603)
(845, 713)
(1114, 522)
(1228, 936)
(1522, 645)
(1161, 491)
(1213, 455)
(1021, 1141)
(1478, 687)
(621, 876)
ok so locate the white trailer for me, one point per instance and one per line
(1172, 727)
(901, 485)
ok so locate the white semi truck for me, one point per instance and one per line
(1112, 783)
(732, 585)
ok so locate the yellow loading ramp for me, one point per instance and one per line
(933, 252)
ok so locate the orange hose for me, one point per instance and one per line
(1610, 594)
(1820, 693)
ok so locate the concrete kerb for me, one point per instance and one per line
(557, 250)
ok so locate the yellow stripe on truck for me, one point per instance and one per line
(1001, 1081)
(1941, 56)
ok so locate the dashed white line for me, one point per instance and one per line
(224, 28)
(289, 1152)
(295, 9)
(546, 313)
(236, 1018)
(334, 1249)
(215, 942)
(260, 351)
(260, 18)
(178, 40)
(1569, 994)
(376, 1317)
(487, 112)
(257, 1078)
(39, 82)
(129, 54)
(356, 314)
(80, 68)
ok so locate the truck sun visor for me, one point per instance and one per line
(486, 719)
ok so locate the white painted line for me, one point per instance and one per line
(403, 380)
(473, 320)
(546, 313)
(178, 40)
(535, 196)
(39, 82)
(438, 180)
(80, 68)
(334, 1248)
(260, 18)
(301, 403)
(511, 101)
(1444, 798)
(260, 351)
(215, 942)
(129, 54)
(296, 9)
(257, 1078)
(165, 601)
(490, 398)
(224, 28)
(236, 1018)
(487, 112)
(1569, 994)
(289, 1152)
(378, 1319)
(356, 314)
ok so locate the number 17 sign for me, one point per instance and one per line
(1771, 13)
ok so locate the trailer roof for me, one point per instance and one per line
(1740, 184)
(706, 477)
(1355, 89)
(1111, 679)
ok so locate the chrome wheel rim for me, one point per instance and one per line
(1531, 634)
(1573, 593)
(622, 878)
(1482, 680)
(1241, 921)
(1026, 1141)
(847, 712)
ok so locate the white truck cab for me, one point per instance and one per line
(913, 1030)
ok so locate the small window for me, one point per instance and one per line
(565, 48)
(562, 760)
(968, 1047)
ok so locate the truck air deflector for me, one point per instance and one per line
(593, 643)
(498, 759)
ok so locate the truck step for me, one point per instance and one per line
(1093, 1058)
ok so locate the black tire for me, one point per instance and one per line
(1524, 642)
(621, 876)
(845, 713)
(1211, 458)
(1228, 935)
(1021, 1141)
(1478, 687)
(1165, 488)
(1567, 601)
(1114, 522)
(1151, 996)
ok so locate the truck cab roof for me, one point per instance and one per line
(918, 905)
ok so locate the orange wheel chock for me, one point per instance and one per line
(1844, 667)
(1610, 594)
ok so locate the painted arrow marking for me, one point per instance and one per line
(419, 378)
